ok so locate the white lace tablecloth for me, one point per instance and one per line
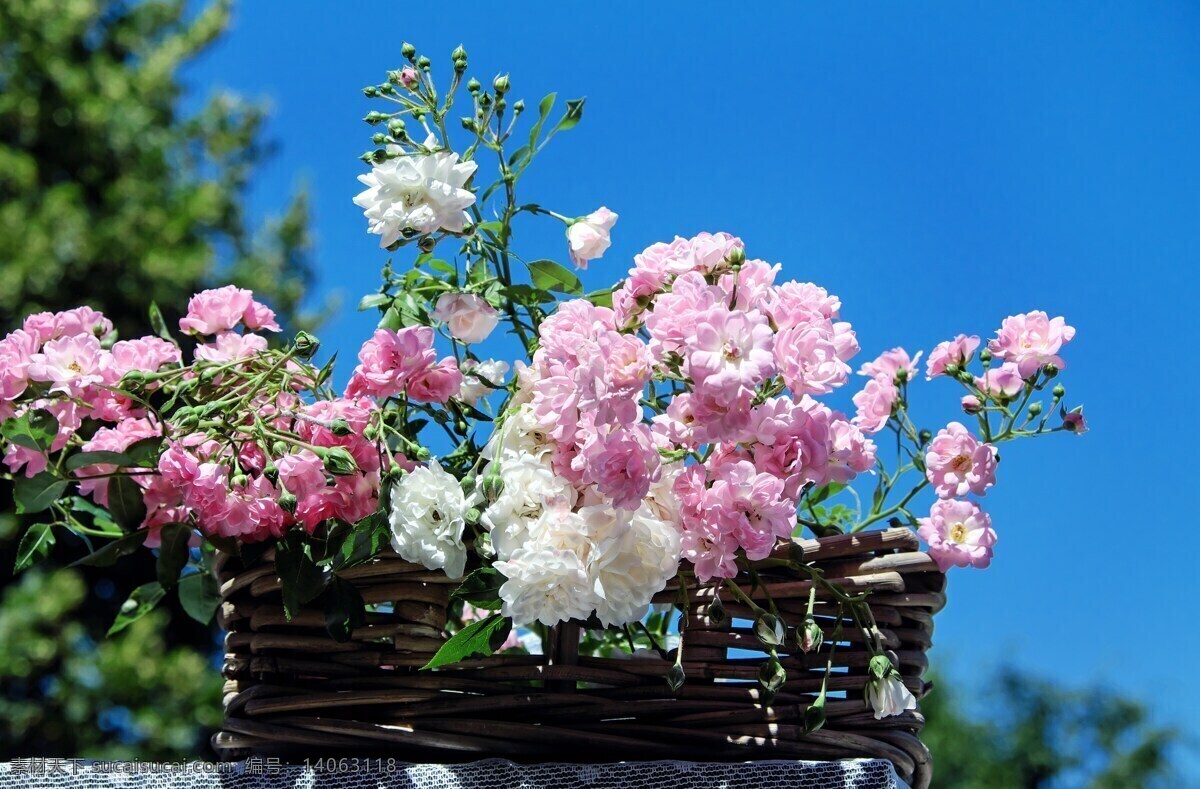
(489, 774)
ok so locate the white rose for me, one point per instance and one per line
(473, 388)
(888, 696)
(530, 488)
(588, 237)
(521, 434)
(428, 518)
(469, 318)
(544, 585)
(419, 192)
(632, 557)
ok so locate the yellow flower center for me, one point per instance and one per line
(958, 532)
(961, 463)
(74, 367)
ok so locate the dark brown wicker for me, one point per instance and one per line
(293, 692)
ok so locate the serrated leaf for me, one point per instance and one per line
(33, 430)
(37, 493)
(478, 638)
(172, 553)
(107, 555)
(35, 546)
(366, 539)
(100, 457)
(141, 602)
(548, 275)
(481, 588)
(345, 610)
(199, 596)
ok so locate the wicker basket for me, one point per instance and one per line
(293, 692)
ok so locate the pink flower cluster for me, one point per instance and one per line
(696, 316)
(243, 496)
(404, 362)
(58, 362)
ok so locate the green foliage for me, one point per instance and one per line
(482, 637)
(111, 196)
(1039, 735)
(107, 191)
(65, 689)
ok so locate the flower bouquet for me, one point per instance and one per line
(647, 537)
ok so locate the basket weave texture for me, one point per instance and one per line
(292, 691)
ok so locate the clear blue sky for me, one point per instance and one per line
(938, 166)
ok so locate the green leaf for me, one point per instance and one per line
(481, 588)
(140, 602)
(548, 275)
(35, 546)
(172, 553)
(199, 596)
(125, 502)
(107, 555)
(825, 491)
(544, 107)
(478, 638)
(159, 324)
(572, 116)
(345, 610)
(32, 430)
(301, 578)
(373, 300)
(101, 519)
(98, 458)
(37, 493)
(366, 539)
(144, 453)
(601, 298)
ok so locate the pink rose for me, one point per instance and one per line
(16, 353)
(621, 463)
(229, 346)
(850, 451)
(469, 318)
(1032, 340)
(971, 404)
(730, 351)
(408, 77)
(1074, 422)
(801, 303)
(70, 364)
(1001, 383)
(957, 351)
(959, 534)
(956, 463)
(147, 354)
(390, 359)
(890, 363)
(221, 309)
(588, 237)
(875, 403)
(436, 383)
(812, 356)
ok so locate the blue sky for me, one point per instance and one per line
(938, 166)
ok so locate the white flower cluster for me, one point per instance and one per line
(428, 517)
(565, 553)
(417, 193)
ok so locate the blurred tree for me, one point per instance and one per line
(109, 194)
(112, 195)
(1037, 735)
